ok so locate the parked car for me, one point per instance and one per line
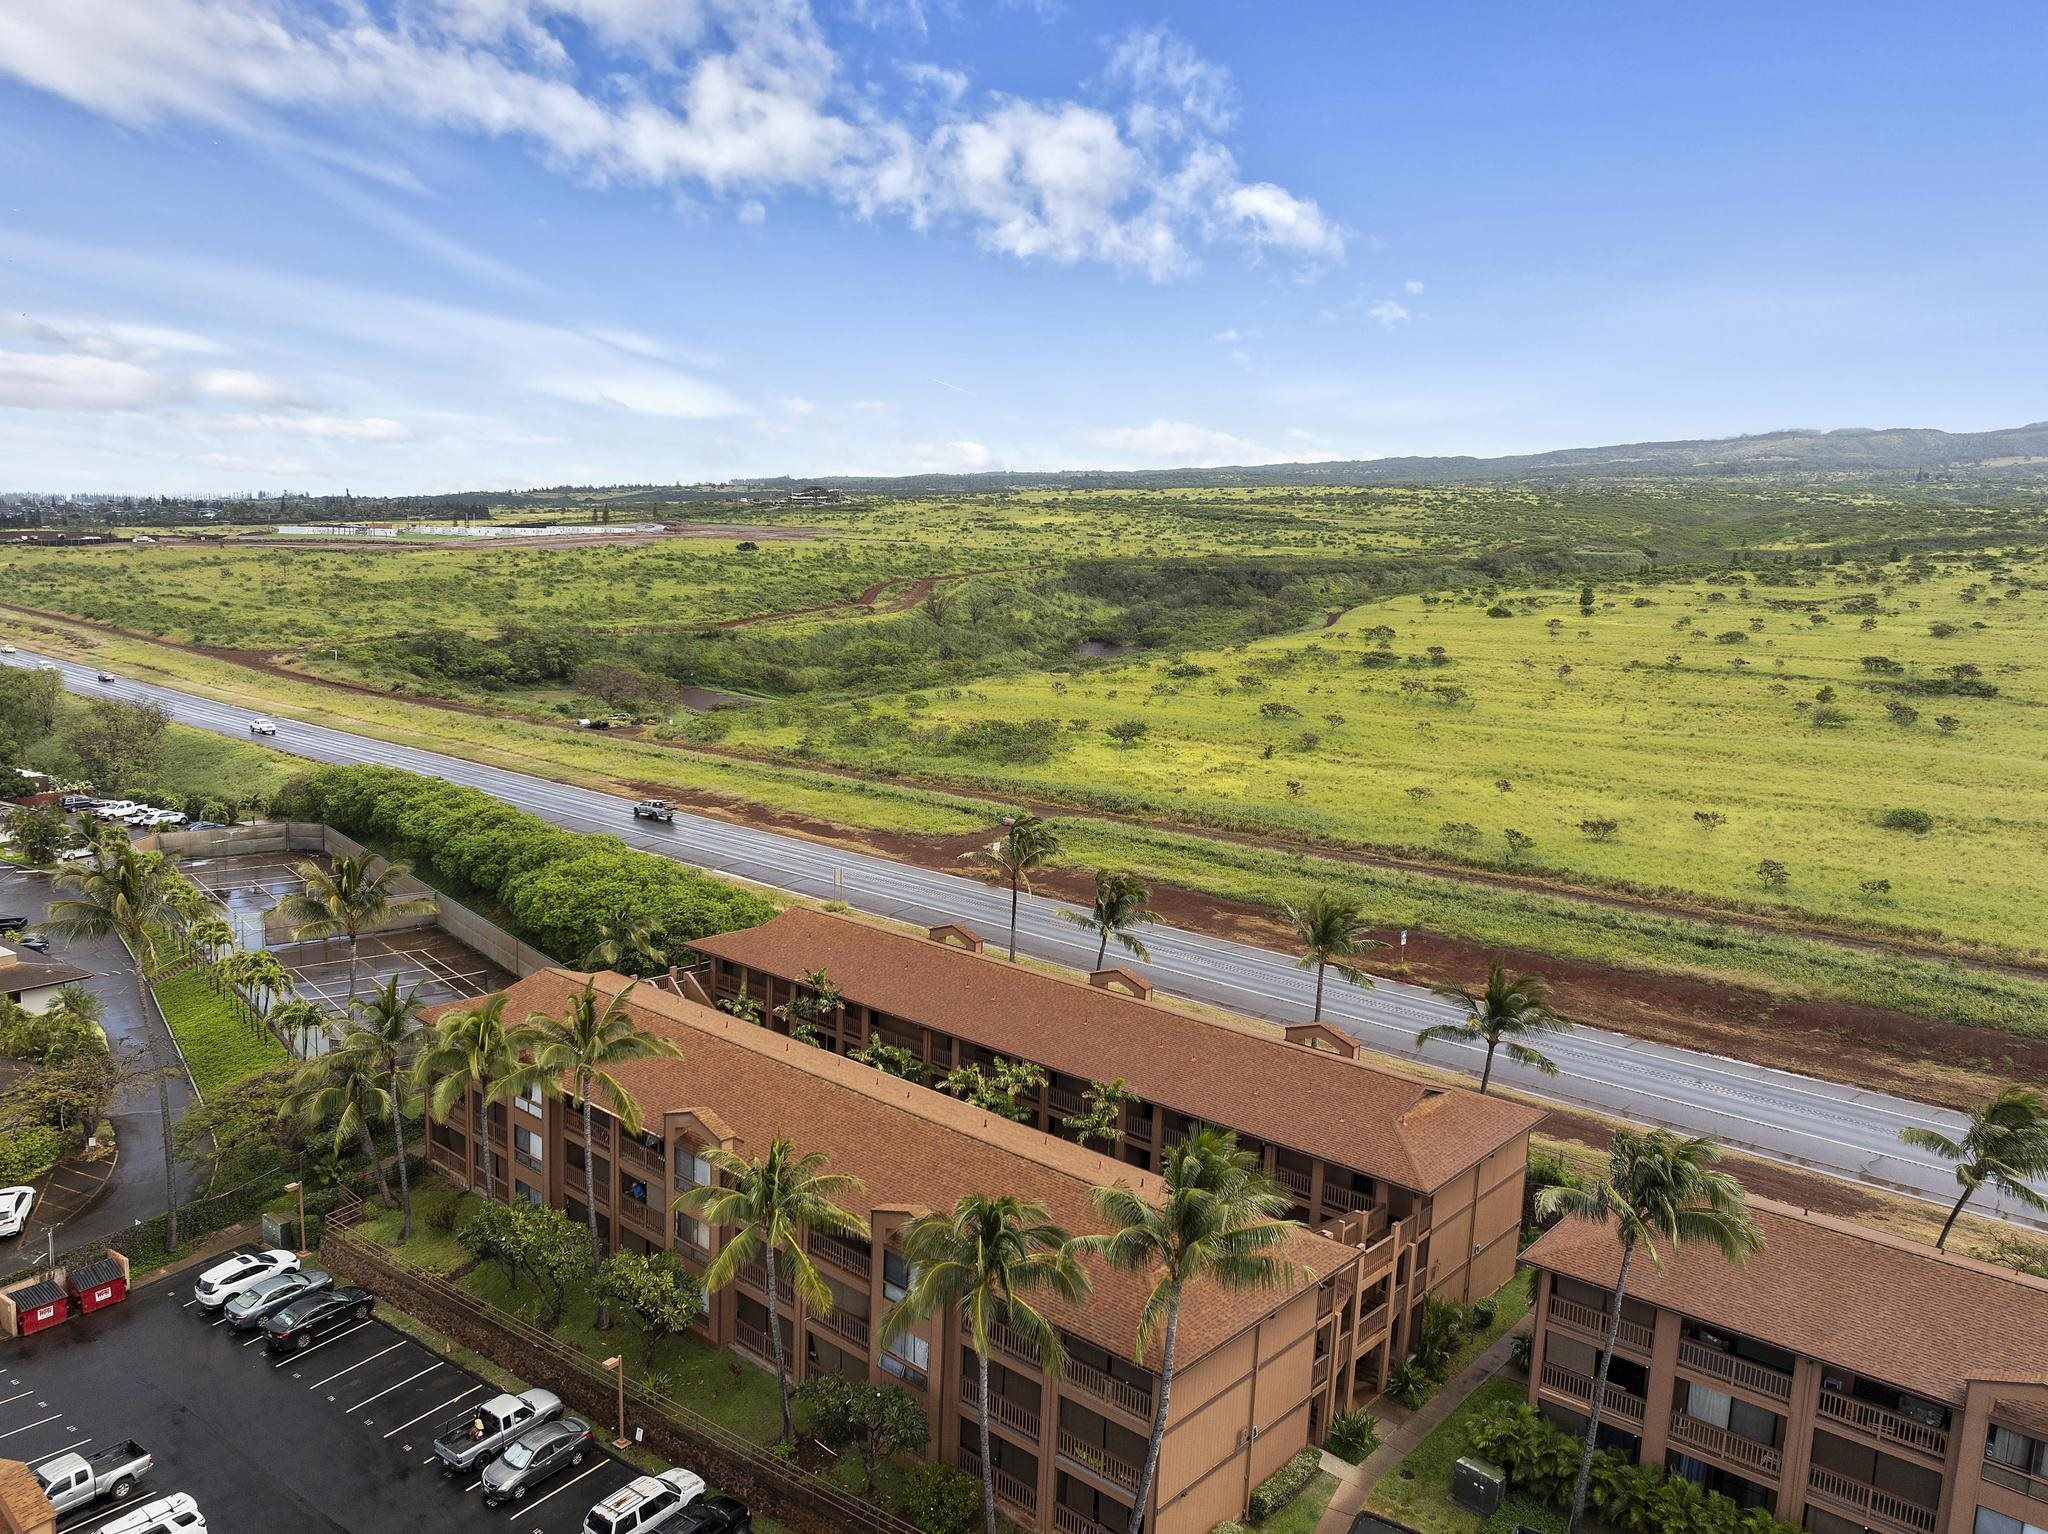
(715, 1515)
(207, 825)
(267, 1296)
(262, 726)
(229, 1277)
(645, 1502)
(653, 809)
(34, 940)
(12, 923)
(72, 1480)
(175, 1514)
(15, 1203)
(78, 854)
(533, 1457)
(594, 724)
(305, 1321)
(477, 1435)
(75, 802)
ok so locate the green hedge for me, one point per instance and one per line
(25, 1152)
(1285, 1484)
(557, 886)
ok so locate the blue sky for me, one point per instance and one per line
(439, 244)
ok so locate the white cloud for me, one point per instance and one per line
(69, 381)
(1177, 444)
(950, 457)
(753, 211)
(796, 404)
(240, 386)
(1389, 313)
(1412, 287)
(328, 428)
(723, 96)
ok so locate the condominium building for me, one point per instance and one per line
(1842, 1378)
(1251, 1367)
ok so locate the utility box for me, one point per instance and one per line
(281, 1230)
(1478, 1485)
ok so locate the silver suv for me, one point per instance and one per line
(643, 1503)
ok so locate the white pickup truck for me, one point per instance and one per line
(72, 1480)
(476, 1436)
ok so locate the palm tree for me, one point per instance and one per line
(347, 901)
(296, 1022)
(1027, 845)
(127, 894)
(1502, 1014)
(1119, 907)
(1660, 1190)
(583, 1044)
(346, 1089)
(626, 942)
(771, 1202)
(2005, 1145)
(469, 1049)
(386, 1031)
(211, 936)
(1332, 933)
(985, 1257)
(1219, 1220)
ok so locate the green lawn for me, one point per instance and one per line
(220, 1045)
(1418, 1492)
(1302, 1514)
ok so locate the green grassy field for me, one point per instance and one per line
(218, 1043)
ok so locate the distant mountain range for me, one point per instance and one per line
(2020, 452)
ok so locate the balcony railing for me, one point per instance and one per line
(1066, 1521)
(1761, 1378)
(1722, 1444)
(1590, 1318)
(1014, 1415)
(2014, 1479)
(526, 1159)
(753, 1339)
(1617, 1403)
(1881, 1506)
(1019, 1494)
(852, 1258)
(852, 1328)
(1887, 1425)
(1122, 1394)
(1375, 1319)
(1349, 1200)
(1103, 1462)
(1293, 1181)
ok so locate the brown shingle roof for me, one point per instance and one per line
(910, 1146)
(21, 973)
(1347, 1111)
(1891, 1309)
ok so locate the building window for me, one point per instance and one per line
(909, 1358)
(2008, 1446)
(897, 1275)
(528, 1100)
(529, 1194)
(692, 1169)
(527, 1148)
(693, 1232)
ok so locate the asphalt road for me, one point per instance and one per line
(1798, 1119)
(135, 1192)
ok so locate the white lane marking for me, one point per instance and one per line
(473, 1485)
(17, 1398)
(432, 1409)
(380, 1395)
(65, 1450)
(526, 1508)
(338, 1373)
(292, 1358)
(27, 1425)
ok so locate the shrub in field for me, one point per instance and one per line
(1353, 1436)
(1919, 822)
(1774, 873)
(942, 1499)
(26, 1151)
(1285, 1484)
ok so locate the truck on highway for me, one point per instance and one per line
(72, 1480)
(475, 1437)
(653, 809)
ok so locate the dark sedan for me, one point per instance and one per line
(265, 1298)
(715, 1515)
(533, 1457)
(303, 1322)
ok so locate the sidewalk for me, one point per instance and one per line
(1355, 1482)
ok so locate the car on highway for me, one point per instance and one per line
(645, 1502)
(175, 1514)
(105, 676)
(243, 1270)
(262, 726)
(72, 1480)
(533, 1457)
(15, 1204)
(715, 1515)
(267, 1296)
(653, 809)
(303, 1322)
(477, 1435)
(6, 649)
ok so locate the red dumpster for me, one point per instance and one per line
(40, 1307)
(96, 1285)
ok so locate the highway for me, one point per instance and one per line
(1797, 1119)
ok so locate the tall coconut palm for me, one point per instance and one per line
(1119, 907)
(628, 943)
(385, 1030)
(1219, 1220)
(1661, 1191)
(985, 1258)
(344, 1090)
(471, 1050)
(296, 1022)
(1332, 932)
(1500, 1016)
(127, 894)
(582, 1046)
(1026, 845)
(347, 900)
(768, 1203)
(2006, 1145)
(211, 936)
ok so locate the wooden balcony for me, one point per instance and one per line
(753, 1339)
(848, 1258)
(1014, 1415)
(1294, 1182)
(1761, 1378)
(526, 1159)
(1019, 1494)
(1879, 1508)
(1887, 1426)
(1590, 1318)
(1134, 1400)
(1066, 1521)
(1346, 1200)
(1617, 1405)
(1730, 1448)
(1099, 1461)
(844, 1325)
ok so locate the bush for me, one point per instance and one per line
(1522, 1350)
(942, 1499)
(26, 1151)
(1285, 1484)
(1353, 1436)
(1410, 1383)
(1919, 822)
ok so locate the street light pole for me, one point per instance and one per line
(617, 1364)
(300, 1189)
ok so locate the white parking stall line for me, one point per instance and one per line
(473, 1485)
(380, 1395)
(99, 1513)
(27, 1425)
(12, 1399)
(431, 1410)
(526, 1508)
(292, 1358)
(338, 1373)
(65, 1450)
(255, 1339)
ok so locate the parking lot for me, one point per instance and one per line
(339, 1437)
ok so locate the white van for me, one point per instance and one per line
(175, 1514)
